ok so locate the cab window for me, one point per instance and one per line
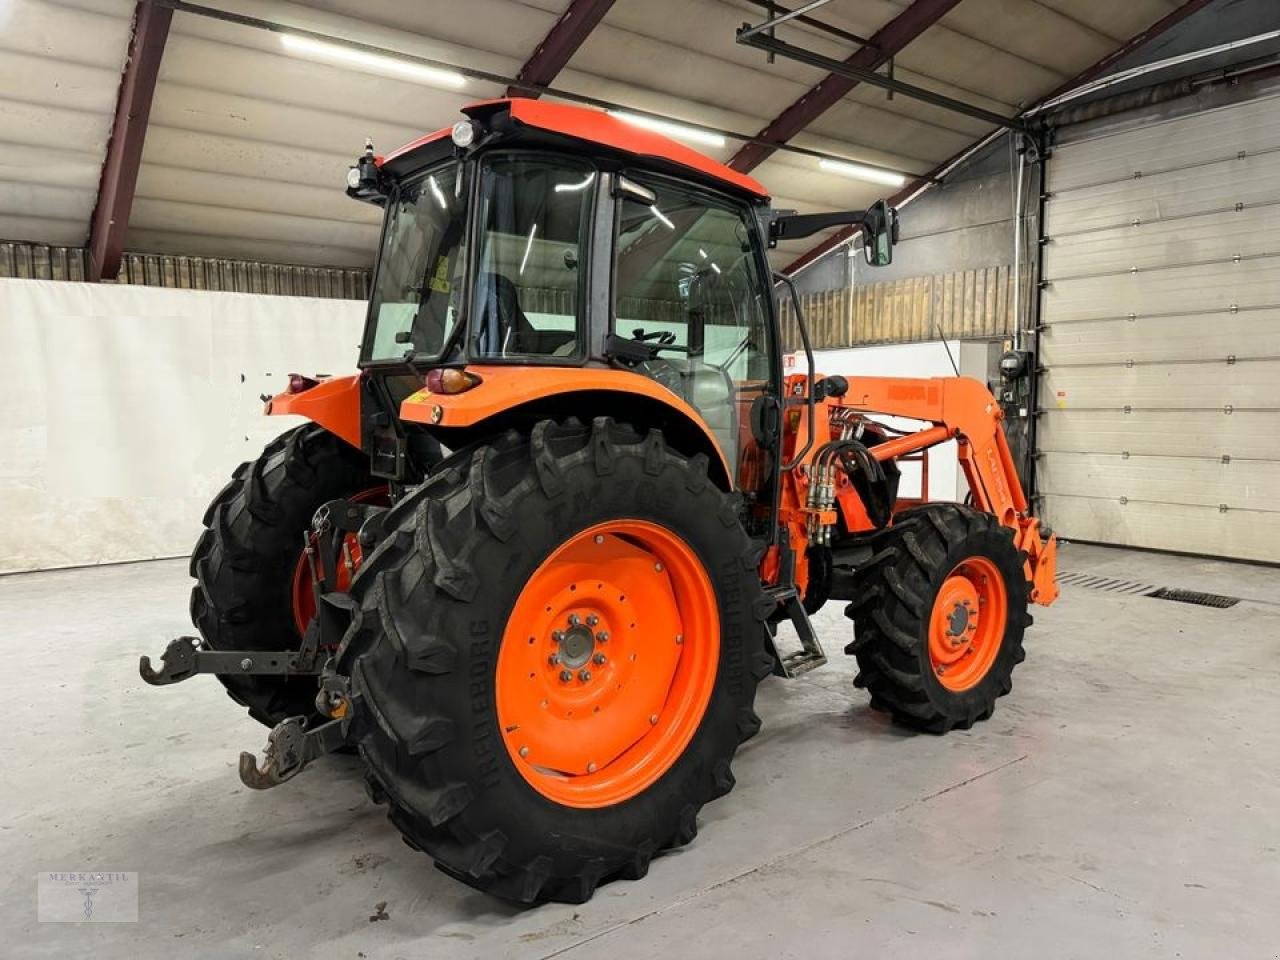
(534, 218)
(688, 285)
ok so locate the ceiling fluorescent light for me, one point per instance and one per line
(527, 247)
(666, 221)
(372, 62)
(860, 172)
(575, 187)
(676, 130)
(437, 193)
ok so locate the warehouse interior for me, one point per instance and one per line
(1080, 213)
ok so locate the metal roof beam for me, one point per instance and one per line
(888, 41)
(859, 75)
(560, 44)
(119, 179)
(1135, 42)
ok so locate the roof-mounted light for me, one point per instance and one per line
(463, 133)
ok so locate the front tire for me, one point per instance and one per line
(940, 617)
(513, 554)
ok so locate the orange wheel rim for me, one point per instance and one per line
(607, 663)
(966, 627)
(301, 592)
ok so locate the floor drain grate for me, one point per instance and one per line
(1194, 596)
(1134, 588)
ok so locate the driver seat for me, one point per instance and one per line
(502, 329)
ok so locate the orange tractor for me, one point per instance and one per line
(530, 561)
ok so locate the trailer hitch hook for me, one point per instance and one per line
(176, 663)
(290, 747)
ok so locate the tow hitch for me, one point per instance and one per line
(184, 657)
(291, 745)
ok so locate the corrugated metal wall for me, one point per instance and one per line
(964, 305)
(38, 261)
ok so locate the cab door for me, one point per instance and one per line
(690, 282)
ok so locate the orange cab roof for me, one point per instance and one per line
(596, 126)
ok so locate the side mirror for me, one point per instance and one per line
(879, 234)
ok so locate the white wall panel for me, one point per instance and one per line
(126, 408)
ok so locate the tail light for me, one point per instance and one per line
(447, 380)
(298, 383)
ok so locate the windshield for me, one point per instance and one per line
(416, 293)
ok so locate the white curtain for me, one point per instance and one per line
(126, 408)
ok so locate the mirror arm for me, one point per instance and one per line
(795, 226)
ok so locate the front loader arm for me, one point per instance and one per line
(963, 409)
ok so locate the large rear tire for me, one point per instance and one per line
(247, 561)
(536, 779)
(940, 617)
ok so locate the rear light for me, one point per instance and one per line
(299, 383)
(448, 380)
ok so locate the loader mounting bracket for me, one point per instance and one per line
(290, 747)
(184, 658)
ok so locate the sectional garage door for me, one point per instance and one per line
(1160, 396)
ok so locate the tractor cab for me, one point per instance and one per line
(549, 243)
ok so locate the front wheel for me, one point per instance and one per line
(555, 658)
(940, 616)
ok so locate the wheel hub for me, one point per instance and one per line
(576, 644)
(958, 621)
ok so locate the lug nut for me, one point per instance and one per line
(565, 676)
(573, 620)
(602, 636)
(246, 664)
(553, 659)
(584, 675)
(592, 620)
(524, 751)
(599, 659)
(557, 636)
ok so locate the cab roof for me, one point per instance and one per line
(596, 127)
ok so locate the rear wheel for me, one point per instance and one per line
(253, 588)
(555, 658)
(940, 617)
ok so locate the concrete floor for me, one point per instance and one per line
(1122, 802)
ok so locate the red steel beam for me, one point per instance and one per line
(888, 41)
(1087, 75)
(124, 150)
(560, 43)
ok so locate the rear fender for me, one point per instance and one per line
(508, 395)
(333, 403)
